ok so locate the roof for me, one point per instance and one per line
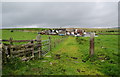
(70, 29)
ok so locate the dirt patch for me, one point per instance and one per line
(82, 71)
(74, 57)
(78, 70)
(57, 56)
(83, 61)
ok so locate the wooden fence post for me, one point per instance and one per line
(49, 43)
(11, 39)
(4, 56)
(9, 47)
(32, 42)
(91, 44)
(39, 41)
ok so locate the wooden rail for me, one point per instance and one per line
(17, 40)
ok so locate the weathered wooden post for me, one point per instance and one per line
(91, 44)
(25, 54)
(49, 43)
(11, 41)
(39, 41)
(32, 42)
(4, 56)
(9, 47)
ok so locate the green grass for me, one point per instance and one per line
(19, 35)
(102, 30)
(106, 53)
(104, 62)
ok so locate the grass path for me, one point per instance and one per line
(69, 62)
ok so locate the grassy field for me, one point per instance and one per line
(102, 30)
(70, 57)
(20, 35)
(29, 29)
(106, 53)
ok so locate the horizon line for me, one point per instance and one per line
(57, 27)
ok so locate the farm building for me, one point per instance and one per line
(66, 31)
(87, 34)
(79, 32)
(52, 32)
(62, 31)
(75, 32)
(47, 32)
(70, 31)
(43, 32)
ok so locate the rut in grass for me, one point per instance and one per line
(69, 56)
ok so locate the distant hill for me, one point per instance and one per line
(116, 27)
(25, 29)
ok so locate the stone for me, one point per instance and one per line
(48, 56)
(44, 61)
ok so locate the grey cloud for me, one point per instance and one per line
(57, 14)
(119, 14)
(0, 15)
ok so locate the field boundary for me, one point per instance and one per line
(34, 48)
(106, 34)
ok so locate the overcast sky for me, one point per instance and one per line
(59, 14)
